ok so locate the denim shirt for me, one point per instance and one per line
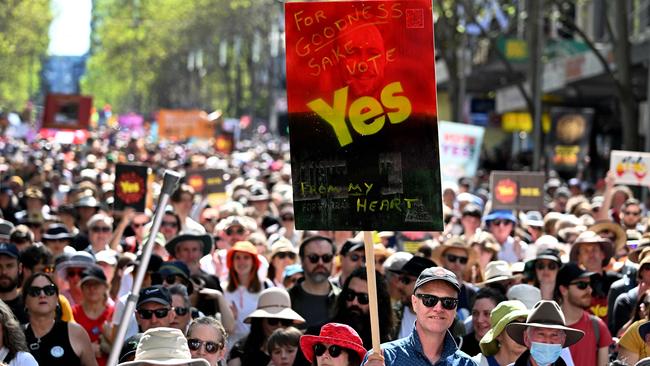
(408, 352)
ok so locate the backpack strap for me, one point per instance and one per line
(594, 324)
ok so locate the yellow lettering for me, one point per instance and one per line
(409, 201)
(360, 205)
(130, 187)
(385, 204)
(373, 205)
(392, 101)
(335, 114)
(364, 109)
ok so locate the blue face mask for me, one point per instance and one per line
(545, 354)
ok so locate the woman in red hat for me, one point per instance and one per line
(243, 287)
(336, 345)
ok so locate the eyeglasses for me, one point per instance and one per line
(582, 285)
(74, 273)
(357, 257)
(210, 347)
(283, 255)
(498, 222)
(632, 213)
(181, 311)
(406, 280)
(552, 266)
(287, 218)
(170, 224)
(361, 297)
(454, 258)
(314, 258)
(334, 350)
(275, 321)
(430, 301)
(35, 291)
(159, 313)
(238, 231)
(100, 229)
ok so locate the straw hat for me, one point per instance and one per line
(164, 346)
(453, 242)
(545, 314)
(502, 315)
(497, 271)
(590, 237)
(275, 303)
(620, 238)
(333, 334)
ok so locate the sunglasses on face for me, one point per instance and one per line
(406, 280)
(430, 301)
(100, 229)
(137, 225)
(314, 258)
(169, 224)
(283, 255)
(239, 231)
(181, 311)
(498, 222)
(582, 285)
(552, 266)
(454, 258)
(333, 350)
(210, 347)
(159, 313)
(632, 213)
(275, 321)
(361, 297)
(357, 257)
(73, 273)
(287, 218)
(35, 291)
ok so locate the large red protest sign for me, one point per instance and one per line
(67, 111)
(362, 115)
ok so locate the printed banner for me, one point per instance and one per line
(131, 186)
(569, 139)
(207, 181)
(631, 167)
(517, 190)
(67, 112)
(184, 124)
(460, 149)
(361, 98)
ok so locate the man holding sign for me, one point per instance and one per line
(435, 299)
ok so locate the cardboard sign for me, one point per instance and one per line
(569, 139)
(131, 186)
(67, 112)
(361, 98)
(631, 167)
(207, 181)
(184, 124)
(517, 190)
(460, 149)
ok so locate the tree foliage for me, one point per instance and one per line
(23, 44)
(208, 54)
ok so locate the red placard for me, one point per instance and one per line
(67, 112)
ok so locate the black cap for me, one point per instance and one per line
(129, 347)
(157, 294)
(9, 249)
(415, 266)
(437, 274)
(570, 272)
(351, 245)
(93, 273)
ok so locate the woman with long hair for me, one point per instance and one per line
(243, 286)
(273, 312)
(50, 341)
(542, 271)
(14, 351)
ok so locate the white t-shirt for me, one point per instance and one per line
(21, 358)
(246, 303)
(408, 323)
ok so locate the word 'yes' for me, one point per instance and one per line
(367, 115)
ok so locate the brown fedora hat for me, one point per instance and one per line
(545, 314)
(620, 238)
(453, 242)
(590, 237)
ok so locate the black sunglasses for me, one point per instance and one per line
(406, 280)
(357, 257)
(430, 301)
(210, 347)
(169, 224)
(239, 231)
(582, 285)
(147, 314)
(334, 350)
(283, 255)
(100, 229)
(361, 297)
(181, 311)
(454, 258)
(551, 266)
(35, 291)
(314, 258)
(275, 321)
(287, 217)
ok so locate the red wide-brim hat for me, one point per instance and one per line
(333, 334)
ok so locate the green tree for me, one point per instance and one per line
(23, 44)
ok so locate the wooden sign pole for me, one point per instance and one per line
(372, 290)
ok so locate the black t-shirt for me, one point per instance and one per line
(205, 304)
(18, 308)
(470, 345)
(248, 357)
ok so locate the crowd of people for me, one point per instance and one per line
(235, 283)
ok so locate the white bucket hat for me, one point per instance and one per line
(164, 346)
(275, 303)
